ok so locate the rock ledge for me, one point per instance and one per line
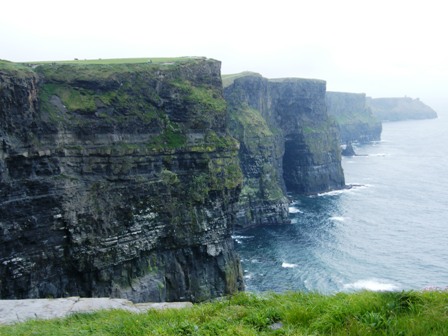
(14, 311)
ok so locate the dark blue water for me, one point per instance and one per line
(391, 233)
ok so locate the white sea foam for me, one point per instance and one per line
(352, 187)
(238, 239)
(337, 219)
(288, 265)
(371, 285)
(333, 192)
(293, 210)
(241, 237)
(378, 154)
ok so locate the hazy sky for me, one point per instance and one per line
(384, 48)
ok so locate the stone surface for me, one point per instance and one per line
(14, 311)
(117, 181)
(403, 108)
(355, 119)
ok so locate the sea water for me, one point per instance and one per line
(388, 232)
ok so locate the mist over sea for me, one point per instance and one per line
(389, 233)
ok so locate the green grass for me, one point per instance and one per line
(15, 69)
(363, 313)
(157, 60)
(228, 79)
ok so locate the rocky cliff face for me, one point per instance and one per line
(288, 143)
(117, 180)
(394, 109)
(355, 119)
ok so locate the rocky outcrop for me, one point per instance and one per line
(288, 143)
(348, 150)
(117, 180)
(395, 109)
(354, 118)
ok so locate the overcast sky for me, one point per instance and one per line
(384, 48)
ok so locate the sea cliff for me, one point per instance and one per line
(117, 180)
(126, 179)
(288, 143)
(404, 108)
(355, 119)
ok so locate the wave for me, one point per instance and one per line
(242, 237)
(348, 189)
(378, 154)
(288, 265)
(293, 210)
(238, 239)
(371, 285)
(337, 218)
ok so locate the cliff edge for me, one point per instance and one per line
(117, 180)
(288, 143)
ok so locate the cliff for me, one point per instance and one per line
(355, 119)
(288, 143)
(117, 180)
(394, 109)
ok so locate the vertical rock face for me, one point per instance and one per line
(252, 121)
(394, 109)
(355, 119)
(288, 143)
(117, 180)
(312, 159)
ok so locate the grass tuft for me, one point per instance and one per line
(362, 313)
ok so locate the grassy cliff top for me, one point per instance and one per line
(296, 80)
(15, 69)
(101, 69)
(111, 61)
(228, 79)
(363, 313)
(96, 67)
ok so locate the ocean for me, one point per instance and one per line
(388, 232)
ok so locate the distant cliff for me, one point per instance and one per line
(394, 109)
(117, 180)
(288, 143)
(354, 118)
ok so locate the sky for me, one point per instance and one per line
(384, 48)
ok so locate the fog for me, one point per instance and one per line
(382, 48)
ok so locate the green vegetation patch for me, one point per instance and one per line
(15, 69)
(224, 173)
(101, 70)
(294, 313)
(74, 99)
(142, 60)
(208, 97)
(249, 126)
(228, 79)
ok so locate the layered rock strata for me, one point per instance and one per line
(288, 143)
(355, 119)
(117, 180)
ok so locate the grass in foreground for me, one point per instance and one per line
(390, 313)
